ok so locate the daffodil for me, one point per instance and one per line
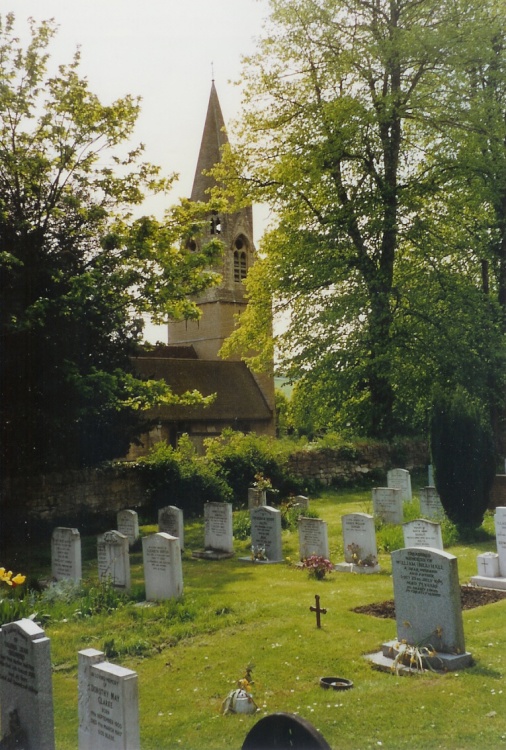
(7, 577)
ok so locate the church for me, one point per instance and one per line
(190, 361)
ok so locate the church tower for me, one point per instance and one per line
(219, 304)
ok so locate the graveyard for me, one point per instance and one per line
(189, 651)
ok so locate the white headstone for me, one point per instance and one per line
(85, 660)
(359, 538)
(114, 708)
(488, 565)
(500, 535)
(26, 688)
(400, 479)
(266, 532)
(387, 504)
(128, 524)
(422, 533)
(218, 530)
(313, 538)
(428, 608)
(430, 503)
(113, 559)
(171, 521)
(163, 572)
(256, 497)
(66, 554)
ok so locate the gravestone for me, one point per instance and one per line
(266, 532)
(430, 475)
(359, 540)
(492, 566)
(313, 538)
(422, 533)
(66, 554)
(113, 705)
(85, 660)
(282, 731)
(400, 479)
(171, 521)
(128, 524)
(113, 559)
(428, 610)
(26, 689)
(301, 501)
(430, 503)
(218, 532)
(387, 504)
(256, 497)
(163, 572)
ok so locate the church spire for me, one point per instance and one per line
(214, 138)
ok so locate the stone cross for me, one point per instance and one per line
(319, 611)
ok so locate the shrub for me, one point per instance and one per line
(463, 456)
(236, 458)
(180, 477)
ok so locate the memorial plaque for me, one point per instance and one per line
(128, 525)
(113, 559)
(313, 538)
(422, 533)
(26, 682)
(66, 554)
(114, 708)
(387, 504)
(266, 532)
(218, 530)
(163, 571)
(400, 479)
(170, 521)
(427, 599)
(430, 503)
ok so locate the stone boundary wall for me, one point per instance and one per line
(84, 498)
(330, 466)
(89, 497)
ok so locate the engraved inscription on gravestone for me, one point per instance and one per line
(113, 705)
(387, 504)
(313, 537)
(170, 521)
(162, 566)
(266, 531)
(218, 530)
(422, 533)
(66, 554)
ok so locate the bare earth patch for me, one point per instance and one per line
(471, 597)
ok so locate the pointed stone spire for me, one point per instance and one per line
(213, 138)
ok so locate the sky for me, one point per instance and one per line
(167, 52)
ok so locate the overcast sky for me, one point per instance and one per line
(162, 50)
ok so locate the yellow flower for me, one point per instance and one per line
(6, 577)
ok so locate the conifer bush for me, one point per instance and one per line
(463, 455)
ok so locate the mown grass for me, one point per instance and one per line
(189, 654)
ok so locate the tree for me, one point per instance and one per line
(77, 271)
(345, 102)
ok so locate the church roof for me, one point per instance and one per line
(214, 138)
(238, 395)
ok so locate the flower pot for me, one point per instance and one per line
(335, 683)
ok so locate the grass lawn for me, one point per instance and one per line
(189, 654)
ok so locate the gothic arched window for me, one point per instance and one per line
(240, 265)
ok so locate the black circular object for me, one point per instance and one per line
(335, 683)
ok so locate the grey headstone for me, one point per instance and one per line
(266, 531)
(218, 528)
(85, 660)
(422, 533)
(488, 564)
(500, 535)
(163, 572)
(171, 521)
(256, 497)
(66, 554)
(359, 535)
(387, 504)
(313, 537)
(26, 682)
(128, 524)
(428, 609)
(430, 503)
(114, 559)
(401, 480)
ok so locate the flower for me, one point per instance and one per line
(317, 565)
(7, 577)
(262, 483)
